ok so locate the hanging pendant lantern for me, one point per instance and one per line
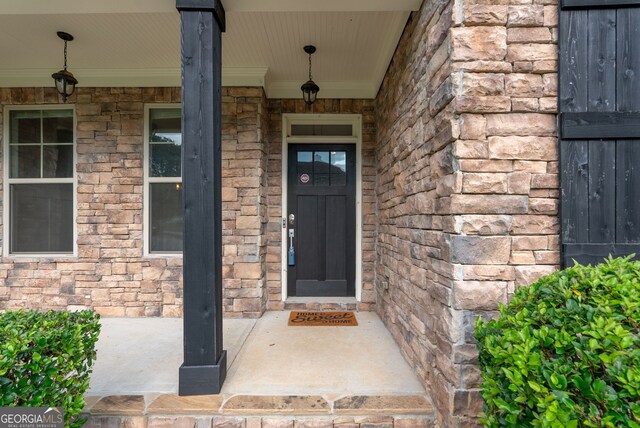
(309, 88)
(65, 82)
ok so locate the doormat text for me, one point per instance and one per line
(322, 319)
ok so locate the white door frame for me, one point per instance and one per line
(319, 119)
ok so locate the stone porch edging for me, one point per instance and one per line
(256, 411)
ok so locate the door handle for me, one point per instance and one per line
(291, 254)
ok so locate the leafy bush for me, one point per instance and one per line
(46, 359)
(566, 351)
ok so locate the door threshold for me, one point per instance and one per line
(321, 300)
(325, 304)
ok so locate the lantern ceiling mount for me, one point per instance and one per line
(65, 82)
(65, 36)
(309, 88)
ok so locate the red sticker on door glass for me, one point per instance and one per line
(304, 178)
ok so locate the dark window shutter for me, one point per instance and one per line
(599, 128)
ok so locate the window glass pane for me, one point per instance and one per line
(165, 160)
(338, 168)
(321, 162)
(25, 127)
(305, 167)
(57, 161)
(165, 125)
(305, 157)
(338, 160)
(166, 217)
(25, 161)
(41, 218)
(57, 126)
(321, 179)
(339, 179)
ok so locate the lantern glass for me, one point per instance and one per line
(65, 83)
(309, 97)
(310, 92)
(69, 88)
(61, 86)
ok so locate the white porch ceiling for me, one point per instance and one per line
(137, 43)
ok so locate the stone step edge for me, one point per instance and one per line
(259, 405)
(271, 421)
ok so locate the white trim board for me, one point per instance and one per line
(131, 77)
(318, 119)
(170, 77)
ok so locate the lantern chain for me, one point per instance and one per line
(65, 54)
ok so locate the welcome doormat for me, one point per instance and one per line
(322, 318)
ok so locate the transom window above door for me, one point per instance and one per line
(322, 129)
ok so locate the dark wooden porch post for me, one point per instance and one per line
(205, 362)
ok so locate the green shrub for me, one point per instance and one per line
(46, 359)
(566, 351)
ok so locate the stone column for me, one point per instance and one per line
(504, 228)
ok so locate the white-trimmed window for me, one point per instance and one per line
(163, 179)
(39, 170)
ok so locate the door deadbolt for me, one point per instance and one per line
(292, 219)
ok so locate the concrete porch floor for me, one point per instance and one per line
(141, 356)
(278, 377)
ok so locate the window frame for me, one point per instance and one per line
(7, 182)
(148, 180)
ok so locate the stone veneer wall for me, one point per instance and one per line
(244, 196)
(277, 108)
(110, 273)
(467, 181)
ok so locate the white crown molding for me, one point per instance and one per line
(66, 7)
(245, 76)
(290, 89)
(94, 77)
(148, 77)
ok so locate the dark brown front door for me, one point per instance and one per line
(322, 220)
